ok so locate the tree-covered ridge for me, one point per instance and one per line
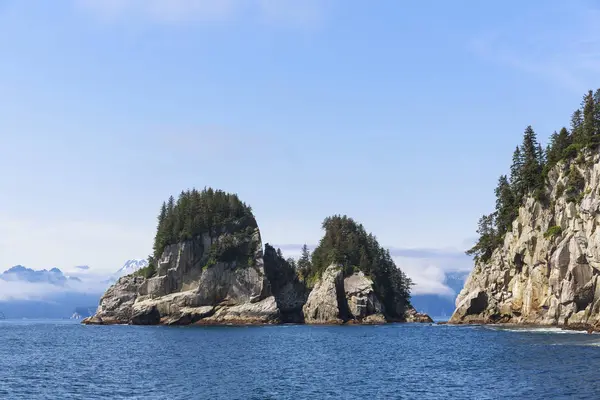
(347, 244)
(279, 271)
(529, 172)
(197, 212)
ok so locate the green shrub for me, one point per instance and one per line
(552, 232)
(540, 195)
(575, 186)
(146, 272)
(572, 151)
(560, 189)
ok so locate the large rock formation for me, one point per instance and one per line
(336, 300)
(209, 268)
(189, 287)
(547, 270)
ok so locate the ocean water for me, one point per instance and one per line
(65, 360)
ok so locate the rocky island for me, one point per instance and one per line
(537, 260)
(209, 267)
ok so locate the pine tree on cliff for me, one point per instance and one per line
(531, 170)
(577, 127)
(506, 206)
(597, 112)
(304, 264)
(516, 179)
(161, 235)
(558, 143)
(170, 220)
(488, 239)
(588, 127)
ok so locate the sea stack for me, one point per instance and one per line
(209, 267)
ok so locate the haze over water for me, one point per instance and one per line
(46, 359)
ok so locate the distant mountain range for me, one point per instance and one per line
(30, 293)
(21, 273)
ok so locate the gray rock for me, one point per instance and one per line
(532, 279)
(116, 305)
(336, 300)
(189, 289)
(361, 298)
(322, 305)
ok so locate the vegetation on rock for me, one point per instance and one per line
(347, 244)
(529, 173)
(279, 271)
(214, 212)
(147, 272)
(552, 232)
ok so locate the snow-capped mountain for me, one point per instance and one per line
(130, 267)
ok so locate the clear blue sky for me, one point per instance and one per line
(399, 114)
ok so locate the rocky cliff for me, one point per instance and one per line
(190, 287)
(209, 268)
(336, 300)
(547, 269)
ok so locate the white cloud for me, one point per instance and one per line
(304, 12)
(427, 278)
(22, 290)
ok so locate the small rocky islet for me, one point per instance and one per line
(537, 261)
(209, 267)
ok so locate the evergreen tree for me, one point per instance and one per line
(304, 263)
(531, 171)
(577, 127)
(516, 178)
(588, 127)
(597, 112)
(488, 239)
(506, 206)
(558, 144)
(161, 235)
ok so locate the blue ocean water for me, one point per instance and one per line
(65, 360)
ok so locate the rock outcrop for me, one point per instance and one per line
(209, 268)
(190, 288)
(547, 270)
(323, 304)
(336, 300)
(116, 305)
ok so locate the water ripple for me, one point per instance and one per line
(42, 360)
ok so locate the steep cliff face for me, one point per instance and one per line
(548, 267)
(191, 286)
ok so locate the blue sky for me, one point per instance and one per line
(399, 114)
